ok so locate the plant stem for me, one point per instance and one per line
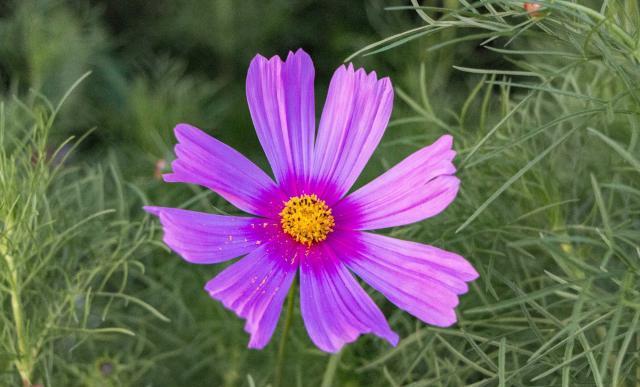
(330, 371)
(283, 339)
(22, 363)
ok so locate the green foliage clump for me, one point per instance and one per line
(68, 248)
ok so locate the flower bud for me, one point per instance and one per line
(533, 9)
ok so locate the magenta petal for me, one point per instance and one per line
(420, 279)
(206, 238)
(255, 288)
(420, 186)
(281, 102)
(208, 162)
(335, 308)
(354, 118)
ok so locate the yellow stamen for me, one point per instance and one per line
(307, 219)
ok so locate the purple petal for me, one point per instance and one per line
(281, 102)
(206, 238)
(420, 279)
(354, 118)
(208, 162)
(420, 186)
(255, 288)
(335, 309)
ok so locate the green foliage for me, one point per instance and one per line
(548, 156)
(67, 247)
(545, 112)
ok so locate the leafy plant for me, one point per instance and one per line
(67, 248)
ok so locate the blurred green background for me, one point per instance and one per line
(155, 64)
(545, 122)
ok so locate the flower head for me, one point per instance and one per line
(304, 222)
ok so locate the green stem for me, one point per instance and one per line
(330, 371)
(22, 363)
(285, 332)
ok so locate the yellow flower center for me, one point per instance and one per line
(307, 219)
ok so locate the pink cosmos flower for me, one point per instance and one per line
(305, 222)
